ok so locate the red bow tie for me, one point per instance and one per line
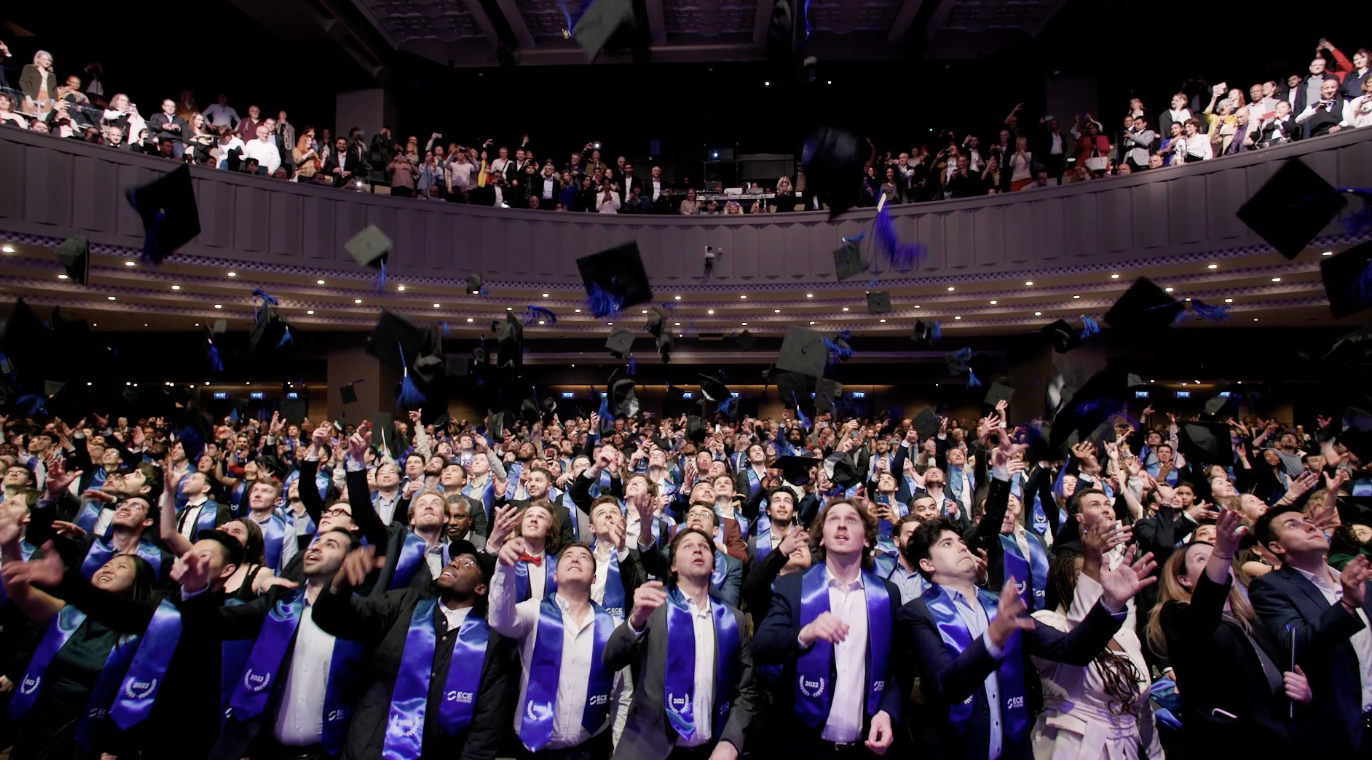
(532, 560)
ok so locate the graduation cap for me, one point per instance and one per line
(696, 430)
(509, 336)
(745, 340)
(549, 405)
(926, 332)
(998, 392)
(925, 422)
(848, 260)
(458, 366)
(664, 347)
(1065, 337)
(192, 432)
(1206, 442)
(1222, 404)
(348, 392)
(878, 302)
(396, 341)
(23, 336)
(212, 351)
(833, 161)
(383, 431)
(713, 388)
(371, 248)
(1291, 208)
(614, 278)
(623, 401)
(1099, 399)
(655, 322)
(620, 343)
(1144, 307)
(827, 394)
(848, 472)
(796, 470)
(219, 326)
(293, 410)
(429, 367)
(170, 215)
(270, 331)
(75, 255)
(959, 363)
(474, 286)
(599, 21)
(803, 351)
(1348, 280)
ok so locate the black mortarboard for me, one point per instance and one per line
(925, 422)
(803, 351)
(664, 347)
(1221, 405)
(270, 331)
(615, 279)
(293, 410)
(23, 337)
(957, 361)
(458, 366)
(827, 394)
(496, 422)
(925, 332)
(509, 336)
(1292, 208)
(170, 216)
(696, 430)
(620, 343)
(833, 159)
(847, 471)
(429, 367)
(75, 255)
(745, 340)
(383, 430)
(474, 284)
(395, 337)
(1092, 405)
(793, 388)
(219, 326)
(796, 470)
(1065, 337)
(370, 247)
(599, 21)
(1348, 280)
(549, 405)
(713, 388)
(878, 302)
(348, 393)
(1206, 443)
(1143, 307)
(997, 393)
(848, 261)
(623, 401)
(654, 324)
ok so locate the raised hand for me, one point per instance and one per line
(1229, 531)
(504, 522)
(1354, 581)
(356, 566)
(70, 530)
(1126, 580)
(59, 479)
(192, 572)
(511, 551)
(1008, 615)
(42, 572)
(647, 598)
(827, 627)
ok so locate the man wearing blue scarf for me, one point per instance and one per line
(726, 580)
(972, 647)
(618, 571)
(695, 696)
(439, 683)
(565, 689)
(1010, 549)
(830, 629)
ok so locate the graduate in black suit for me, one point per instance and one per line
(441, 682)
(831, 629)
(405, 564)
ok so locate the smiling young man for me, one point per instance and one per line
(695, 695)
(830, 629)
(437, 682)
(130, 517)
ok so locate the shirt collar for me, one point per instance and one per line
(1317, 579)
(833, 582)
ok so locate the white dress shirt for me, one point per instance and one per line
(548, 188)
(455, 617)
(602, 572)
(520, 621)
(265, 152)
(657, 188)
(434, 556)
(103, 520)
(703, 694)
(190, 518)
(300, 719)
(220, 116)
(385, 508)
(849, 701)
(1361, 641)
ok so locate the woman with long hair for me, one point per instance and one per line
(1097, 710)
(201, 139)
(7, 113)
(58, 691)
(1236, 700)
(689, 206)
(305, 154)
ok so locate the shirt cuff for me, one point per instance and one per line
(1120, 616)
(991, 648)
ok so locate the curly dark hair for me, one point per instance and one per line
(1116, 670)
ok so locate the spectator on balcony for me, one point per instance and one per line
(7, 115)
(1323, 116)
(264, 150)
(1092, 145)
(39, 84)
(200, 138)
(221, 115)
(1260, 101)
(548, 187)
(1309, 91)
(167, 125)
(383, 147)
(412, 150)
(566, 190)
(285, 139)
(689, 205)
(962, 183)
(785, 199)
(607, 200)
(305, 155)
(345, 162)
(70, 91)
(1079, 173)
(1219, 120)
(524, 185)
(991, 175)
(1194, 145)
(228, 151)
(59, 120)
(113, 137)
(501, 161)
(583, 200)
(1358, 111)
(1281, 128)
(514, 170)
(247, 128)
(401, 173)
(430, 184)
(1239, 138)
(1177, 114)
(459, 172)
(1041, 179)
(1168, 147)
(733, 208)
(590, 159)
(1353, 80)
(628, 183)
(1021, 165)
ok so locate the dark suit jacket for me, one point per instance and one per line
(634, 183)
(1284, 597)
(389, 540)
(646, 731)
(157, 127)
(380, 623)
(1218, 670)
(655, 564)
(947, 679)
(776, 642)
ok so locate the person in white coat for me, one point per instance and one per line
(1100, 710)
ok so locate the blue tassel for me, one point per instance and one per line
(836, 352)
(901, 256)
(191, 442)
(1209, 313)
(633, 365)
(215, 364)
(935, 335)
(962, 355)
(844, 335)
(286, 338)
(32, 404)
(233, 415)
(604, 409)
(409, 394)
(444, 325)
(1362, 287)
(972, 380)
(856, 238)
(266, 298)
(872, 283)
(1181, 317)
(379, 284)
(603, 302)
(805, 423)
(1088, 327)
(535, 313)
(726, 407)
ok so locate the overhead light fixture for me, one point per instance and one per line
(545, 295)
(1114, 277)
(1255, 319)
(1276, 279)
(1214, 266)
(993, 303)
(1327, 253)
(744, 297)
(678, 298)
(957, 317)
(709, 311)
(809, 295)
(745, 324)
(776, 311)
(61, 277)
(812, 321)
(130, 263)
(233, 274)
(176, 287)
(578, 311)
(916, 306)
(1169, 290)
(1028, 283)
(645, 311)
(401, 288)
(357, 300)
(1038, 313)
(311, 311)
(845, 308)
(540, 321)
(437, 306)
(883, 320)
(676, 324)
(8, 249)
(1076, 296)
(950, 288)
(111, 298)
(321, 282)
(469, 319)
(1228, 300)
(217, 306)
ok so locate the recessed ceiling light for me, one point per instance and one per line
(916, 306)
(321, 282)
(469, 319)
(217, 306)
(645, 311)
(1114, 277)
(129, 263)
(1327, 253)
(744, 297)
(1214, 266)
(1028, 282)
(112, 298)
(233, 274)
(1228, 300)
(676, 324)
(357, 300)
(812, 321)
(845, 308)
(437, 306)
(61, 277)
(545, 295)
(8, 249)
(776, 311)
(540, 321)
(745, 324)
(1255, 319)
(1169, 290)
(578, 311)
(1276, 279)
(1076, 296)
(507, 308)
(709, 311)
(678, 298)
(883, 320)
(993, 303)
(950, 288)
(311, 311)
(1038, 313)
(809, 295)
(176, 287)
(612, 323)
(957, 317)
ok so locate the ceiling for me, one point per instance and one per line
(123, 294)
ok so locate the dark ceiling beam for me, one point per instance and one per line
(484, 22)
(510, 10)
(657, 22)
(901, 26)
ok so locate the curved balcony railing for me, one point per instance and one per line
(57, 188)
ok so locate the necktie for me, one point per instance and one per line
(532, 560)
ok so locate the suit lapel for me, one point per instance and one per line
(1311, 593)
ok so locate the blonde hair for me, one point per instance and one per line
(1171, 590)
